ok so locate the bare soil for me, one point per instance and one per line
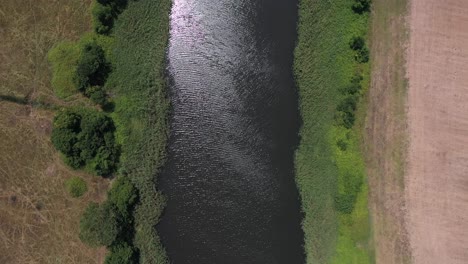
(437, 175)
(386, 131)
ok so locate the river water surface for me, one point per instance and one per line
(229, 178)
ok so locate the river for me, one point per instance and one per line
(229, 177)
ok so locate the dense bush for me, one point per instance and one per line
(117, 5)
(98, 225)
(104, 14)
(358, 44)
(86, 137)
(346, 110)
(361, 6)
(97, 95)
(92, 69)
(123, 196)
(76, 186)
(121, 254)
(103, 19)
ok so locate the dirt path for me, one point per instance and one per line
(437, 176)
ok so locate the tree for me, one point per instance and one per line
(361, 6)
(358, 44)
(98, 225)
(121, 254)
(86, 137)
(123, 195)
(92, 69)
(103, 18)
(97, 95)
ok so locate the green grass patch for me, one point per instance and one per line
(138, 89)
(330, 171)
(64, 59)
(76, 186)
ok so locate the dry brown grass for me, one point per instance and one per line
(38, 219)
(386, 131)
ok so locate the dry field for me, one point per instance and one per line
(437, 175)
(386, 134)
(38, 219)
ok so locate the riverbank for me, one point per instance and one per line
(330, 168)
(114, 82)
(138, 88)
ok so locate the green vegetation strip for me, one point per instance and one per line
(141, 109)
(119, 126)
(332, 74)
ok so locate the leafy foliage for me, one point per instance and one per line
(93, 68)
(123, 196)
(98, 225)
(121, 254)
(361, 6)
(103, 19)
(86, 137)
(358, 44)
(76, 186)
(104, 14)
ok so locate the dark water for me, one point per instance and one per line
(229, 178)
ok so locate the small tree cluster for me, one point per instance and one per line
(92, 72)
(361, 6)
(86, 137)
(121, 254)
(347, 107)
(117, 231)
(358, 44)
(104, 14)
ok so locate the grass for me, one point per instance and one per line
(137, 85)
(76, 186)
(329, 157)
(38, 219)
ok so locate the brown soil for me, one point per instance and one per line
(386, 133)
(437, 175)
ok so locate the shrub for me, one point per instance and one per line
(64, 59)
(361, 6)
(121, 254)
(103, 18)
(123, 196)
(117, 5)
(76, 186)
(342, 145)
(346, 110)
(362, 55)
(86, 137)
(98, 225)
(358, 44)
(92, 69)
(97, 95)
